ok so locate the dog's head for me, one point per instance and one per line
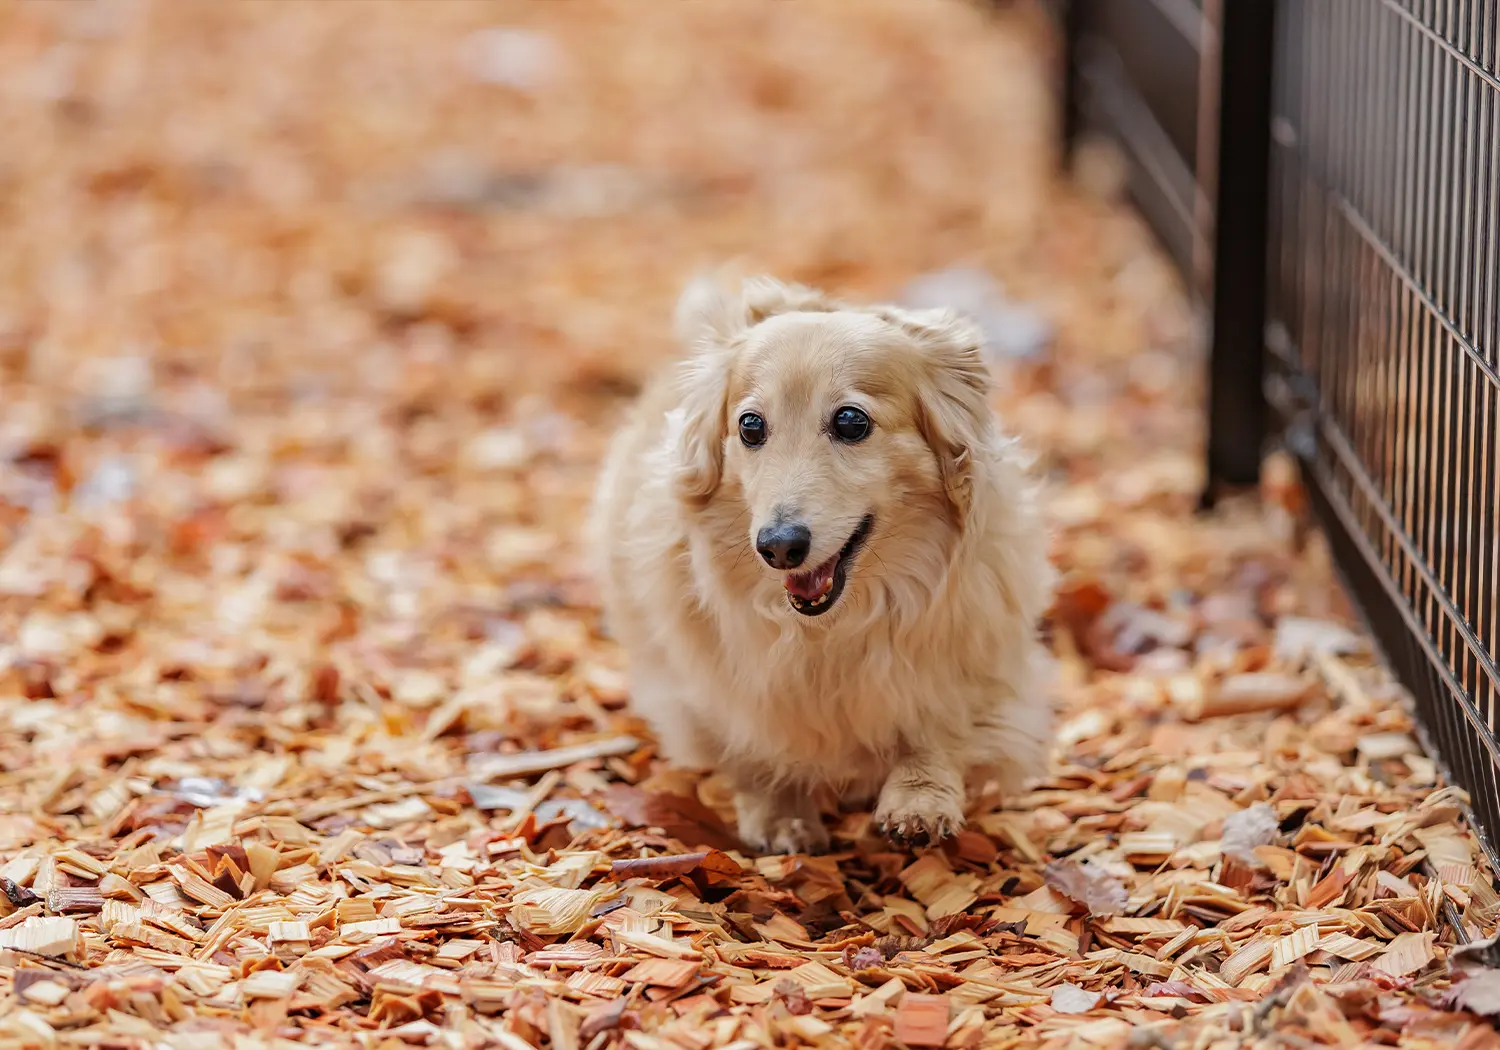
(842, 439)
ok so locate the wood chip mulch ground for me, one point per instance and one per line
(313, 317)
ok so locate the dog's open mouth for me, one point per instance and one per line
(814, 593)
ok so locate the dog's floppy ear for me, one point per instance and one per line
(704, 385)
(954, 414)
(708, 320)
(706, 314)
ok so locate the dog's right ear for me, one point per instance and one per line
(707, 322)
(706, 314)
(704, 390)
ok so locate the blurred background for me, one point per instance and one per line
(314, 317)
(291, 252)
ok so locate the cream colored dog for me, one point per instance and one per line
(826, 565)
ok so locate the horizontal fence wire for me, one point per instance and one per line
(1384, 310)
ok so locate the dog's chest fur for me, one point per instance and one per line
(835, 706)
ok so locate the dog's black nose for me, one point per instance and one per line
(783, 545)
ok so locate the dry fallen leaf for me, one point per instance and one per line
(1175, 990)
(1248, 828)
(1098, 891)
(1476, 977)
(1071, 999)
(716, 868)
(685, 819)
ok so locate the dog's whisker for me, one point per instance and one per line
(738, 547)
(743, 549)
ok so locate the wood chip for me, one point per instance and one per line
(1247, 694)
(1346, 947)
(1295, 945)
(819, 982)
(554, 911)
(269, 984)
(58, 938)
(663, 973)
(1379, 746)
(1407, 954)
(492, 767)
(1251, 957)
(922, 1020)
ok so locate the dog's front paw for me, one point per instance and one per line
(768, 828)
(919, 814)
(788, 835)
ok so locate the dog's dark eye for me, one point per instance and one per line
(850, 424)
(752, 429)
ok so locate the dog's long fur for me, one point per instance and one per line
(926, 674)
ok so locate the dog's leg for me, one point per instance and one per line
(1009, 745)
(682, 737)
(686, 742)
(780, 819)
(922, 801)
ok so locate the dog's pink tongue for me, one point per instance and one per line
(815, 584)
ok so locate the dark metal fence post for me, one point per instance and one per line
(1237, 414)
(1069, 17)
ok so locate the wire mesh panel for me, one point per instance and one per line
(1382, 310)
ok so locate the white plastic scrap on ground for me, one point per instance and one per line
(517, 58)
(1011, 330)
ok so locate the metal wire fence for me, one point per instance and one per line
(1382, 320)
(1363, 302)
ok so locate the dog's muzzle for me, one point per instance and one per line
(814, 593)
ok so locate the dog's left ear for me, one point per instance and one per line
(954, 415)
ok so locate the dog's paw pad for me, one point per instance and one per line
(918, 821)
(791, 835)
(919, 829)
